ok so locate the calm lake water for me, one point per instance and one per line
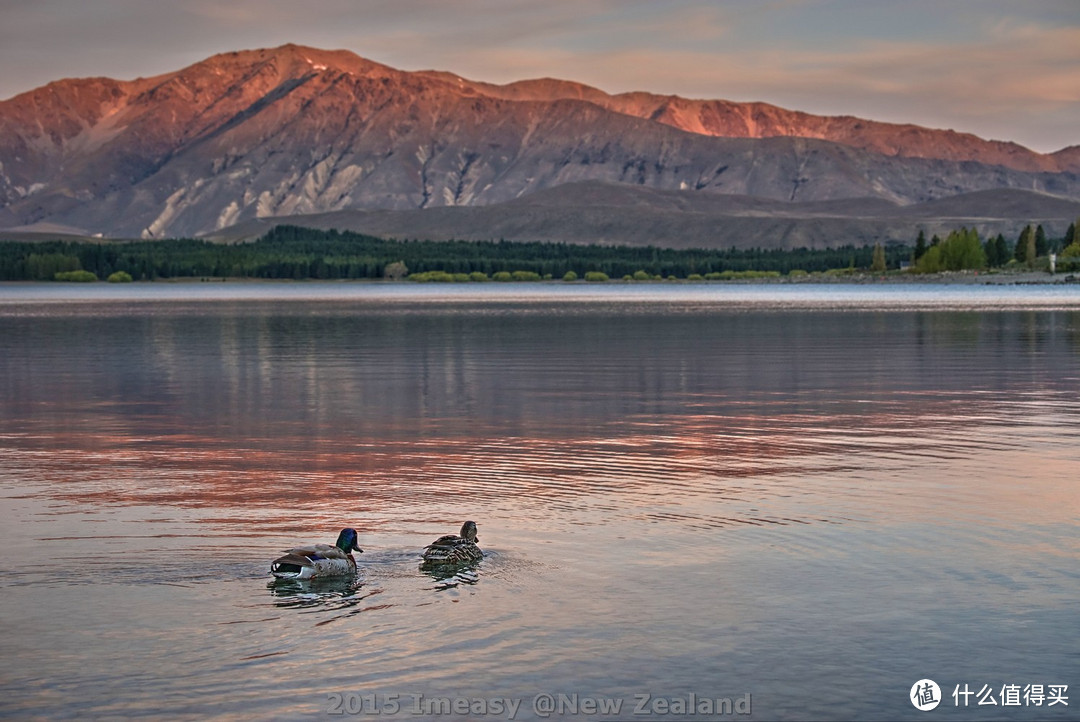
(815, 496)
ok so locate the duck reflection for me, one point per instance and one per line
(331, 593)
(448, 576)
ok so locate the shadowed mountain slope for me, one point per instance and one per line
(619, 214)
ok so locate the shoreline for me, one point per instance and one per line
(893, 278)
(958, 292)
(962, 278)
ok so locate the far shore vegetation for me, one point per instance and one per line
(291, 252)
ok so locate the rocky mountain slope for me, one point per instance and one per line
(295, 130)
(728, 119)
(620, 214)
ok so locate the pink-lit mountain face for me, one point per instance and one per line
(297, 130)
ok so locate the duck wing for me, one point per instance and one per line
(330, 552)
(445, 542)
(300, 560)
(318, 551)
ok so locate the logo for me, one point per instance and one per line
(925, 695)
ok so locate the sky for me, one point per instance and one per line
(1001, 69)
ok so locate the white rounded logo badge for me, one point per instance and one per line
(925, 695)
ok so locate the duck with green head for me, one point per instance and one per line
(454, 548)
(319, 560)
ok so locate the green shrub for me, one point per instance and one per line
(569, 276)
(695, 277)
(642, 276)
(930, 262)
(75, 276)
(741, 275)
(461, 278)
(596, 277)
(1069, 258)
(797, 273)
(478, 277)
(502, 276)
(120, 277)
(963, 251)
(1040, 263)
(432, 277)
(525, 276)
(672, 278)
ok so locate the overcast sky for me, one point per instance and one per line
(1003, 69)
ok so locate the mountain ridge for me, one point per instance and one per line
(755, 119)
(295, 130)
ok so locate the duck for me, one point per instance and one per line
(454, 548)
(319, 560)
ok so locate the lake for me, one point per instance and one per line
(793, 501)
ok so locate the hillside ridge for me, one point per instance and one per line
(299, 130)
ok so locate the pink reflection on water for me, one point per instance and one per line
(907, 459)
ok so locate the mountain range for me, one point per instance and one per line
(240, 141)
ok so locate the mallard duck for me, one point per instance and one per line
(319, 560)
(455, 548)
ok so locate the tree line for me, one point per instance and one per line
(292, 252)
(962, 249)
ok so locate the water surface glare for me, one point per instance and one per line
(816, 497)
